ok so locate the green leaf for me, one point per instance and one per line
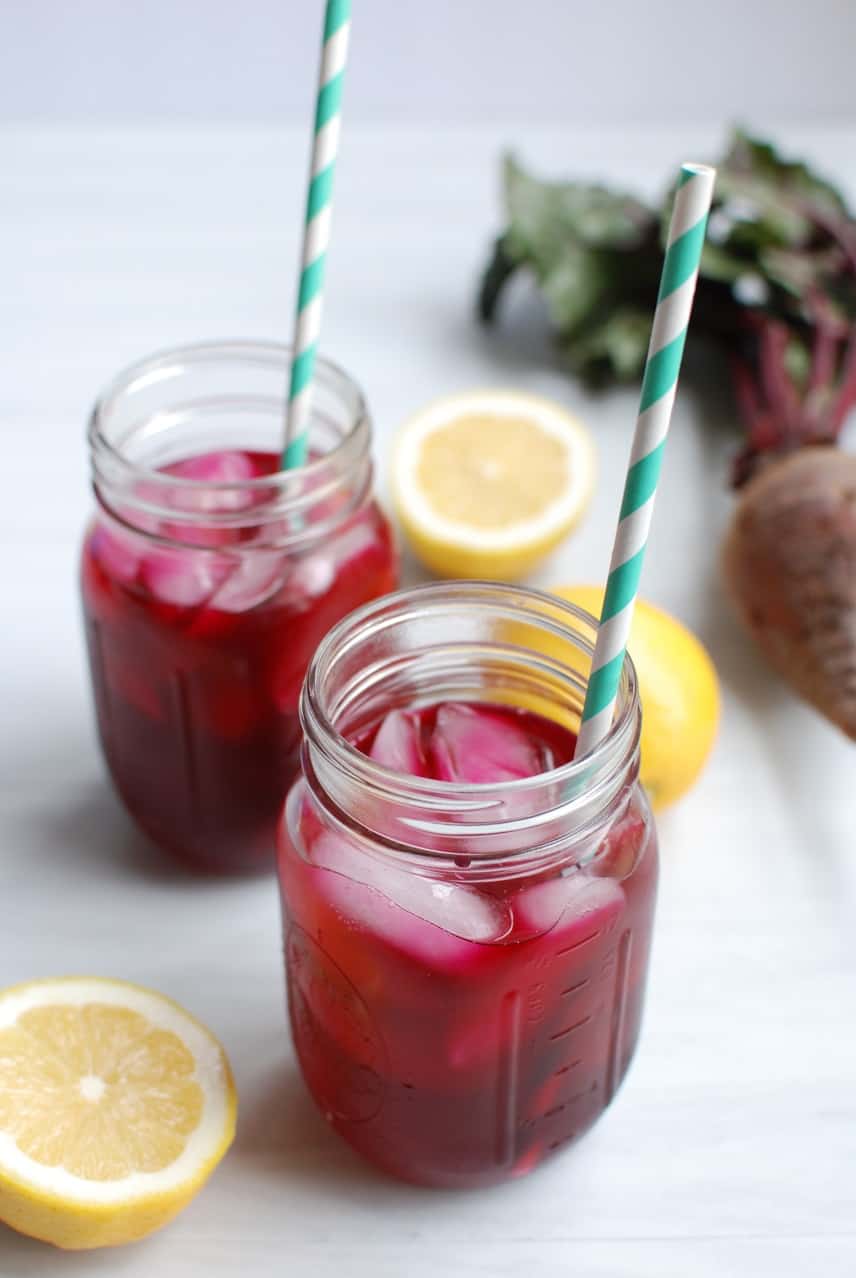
(797, 362)
(543, 216)
(576, 285)
(586, 246)
(497, 273)
(717, 263)
(760, 160)
(760, 212)
(612, 350)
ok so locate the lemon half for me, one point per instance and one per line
(115, 1107)
(486, 483)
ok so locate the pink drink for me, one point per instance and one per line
(209, 576)
(460, 1019)
(199, 634)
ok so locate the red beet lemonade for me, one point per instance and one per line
(198, 653)
(460, 1017)
(209, 577)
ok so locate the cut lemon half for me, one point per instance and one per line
(485, 484)
(115, 1107)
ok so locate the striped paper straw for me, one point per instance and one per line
(316, 234)
(659, 383)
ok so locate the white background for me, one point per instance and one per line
(550, 61)
(730, 1152)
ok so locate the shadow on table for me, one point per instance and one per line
(521, 338)
(92, 830)
(284, 1138)
(27, 1258)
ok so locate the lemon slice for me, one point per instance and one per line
(485, 484)
(115, 1107)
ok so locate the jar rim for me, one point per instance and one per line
(289, 508)
(609, 757)
(274, 355)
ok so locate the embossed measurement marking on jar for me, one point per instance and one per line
(563, 1140)
(535, 1005)
(573, 989)
(185, 721)
(584, 1020)
(572, 1100)
(555, 1110)
(619, 1005)
(99, 678)
(568, 949)
(507, 1079)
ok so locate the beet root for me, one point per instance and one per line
(790, 564)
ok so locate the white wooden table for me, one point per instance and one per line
(732, 1148)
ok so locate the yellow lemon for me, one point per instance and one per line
(115, 1107)
(486, 483)
(679, 691)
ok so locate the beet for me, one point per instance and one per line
(790, 563)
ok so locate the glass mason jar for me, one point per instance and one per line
(466, 963)
(209, 577)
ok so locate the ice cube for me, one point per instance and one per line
(119, 553)
(618, 855)
(474, 744)
(343, 562)
(398, 745)
(312, 513)
(185, 578)
(571, 901)
(150, 494)
(256, 578)
(434, 921)
(226, 467)
(310, 578)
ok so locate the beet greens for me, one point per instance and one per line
(776, 291)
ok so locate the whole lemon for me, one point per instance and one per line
(679, 691)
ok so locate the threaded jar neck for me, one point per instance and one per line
(221, 397)
(472, 642)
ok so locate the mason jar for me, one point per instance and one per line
(466, 958)
(209, 576)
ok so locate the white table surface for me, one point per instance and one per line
(732, 1148)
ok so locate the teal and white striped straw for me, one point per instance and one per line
(659, 383)
(316, 234)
